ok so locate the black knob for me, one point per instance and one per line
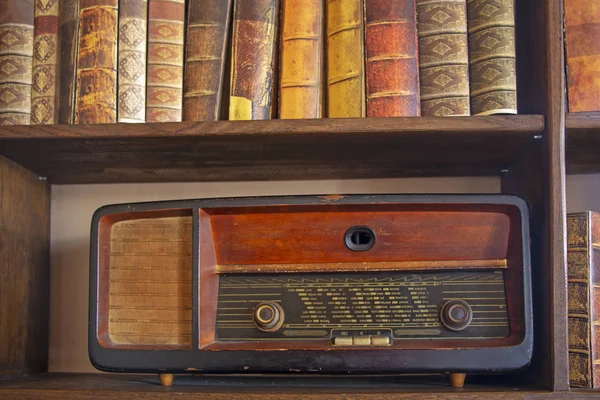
(456, 315)
(268, 317)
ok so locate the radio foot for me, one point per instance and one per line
(457, 380)
(166, 379)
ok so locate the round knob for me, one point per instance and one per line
(456, 315)
(268, 317)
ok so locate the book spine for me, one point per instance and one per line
(131, 102)
(166, 20)
(579, 306)
(16, 55)
(443, 57)
(207, 31)
(345, 59)
(392, 67)
(301, 66)
(255, 24)
(492, 72)
(68, 34)
(96, 93)
(44, 88)
(594, 259)
(582, 21)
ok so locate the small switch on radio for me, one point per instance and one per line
(456, 315)
(268, 317)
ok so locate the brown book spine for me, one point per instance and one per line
(392, 61)
(166, 20)
(44, 93)
(68, 34)
(583, 256)
(492, 72)
(133, 16)
(16, 54)
(253, 59)
(443, 57)
(301, 62)
(582, 21)
(207, 31)
(96, 93)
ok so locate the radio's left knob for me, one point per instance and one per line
(268, 316)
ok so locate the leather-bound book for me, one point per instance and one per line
(345, 59)
(443, 57)
(44, 87)
(583, 255)
(206, 43)
(301, 65)
(253, 59)
(492, 72)
(392, 59)
(68, 33)
(96, 93)
(133, 17)
(16, 51)
(165, 60)
(582, 21)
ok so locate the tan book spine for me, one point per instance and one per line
(207, 32)
(164, 98)
(253, 59)
(301, 66)
(16, 56)
(492, 72)
(443, 58)
(345, 59)
(96, 93)
(68, 34)
(133, 17)
(44, 93)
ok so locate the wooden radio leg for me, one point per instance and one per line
(457, 380)
(166, 379)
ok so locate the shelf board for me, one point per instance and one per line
(582, 143)
(147, 387)
(271, 150)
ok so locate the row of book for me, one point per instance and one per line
(105, 61)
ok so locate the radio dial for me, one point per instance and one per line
(456, 315)
(268, 316)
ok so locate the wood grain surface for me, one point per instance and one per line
(24, 271)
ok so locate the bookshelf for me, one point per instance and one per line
(526, 151)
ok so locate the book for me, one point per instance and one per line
(207, 33)
(582, 22)
(392, 64)
(345, 59)
(133, 15)
(492, 72)
(301, 65)
(44, 87)
(68, 34)
(96, 93)
(16, 56)
(254, 46)
(165, 60)
(443, 57)
(583, 256)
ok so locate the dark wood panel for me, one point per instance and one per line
(582, 143)
(271, 150)
(24, 270)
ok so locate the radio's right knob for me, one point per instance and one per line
(456, 315)
(268, 316)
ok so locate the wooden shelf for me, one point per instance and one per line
(271, 150)
(116, 386)
(583, 143)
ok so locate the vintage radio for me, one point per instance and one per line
(326, 284)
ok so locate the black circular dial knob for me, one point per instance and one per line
(268, 316)
(456, 315)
